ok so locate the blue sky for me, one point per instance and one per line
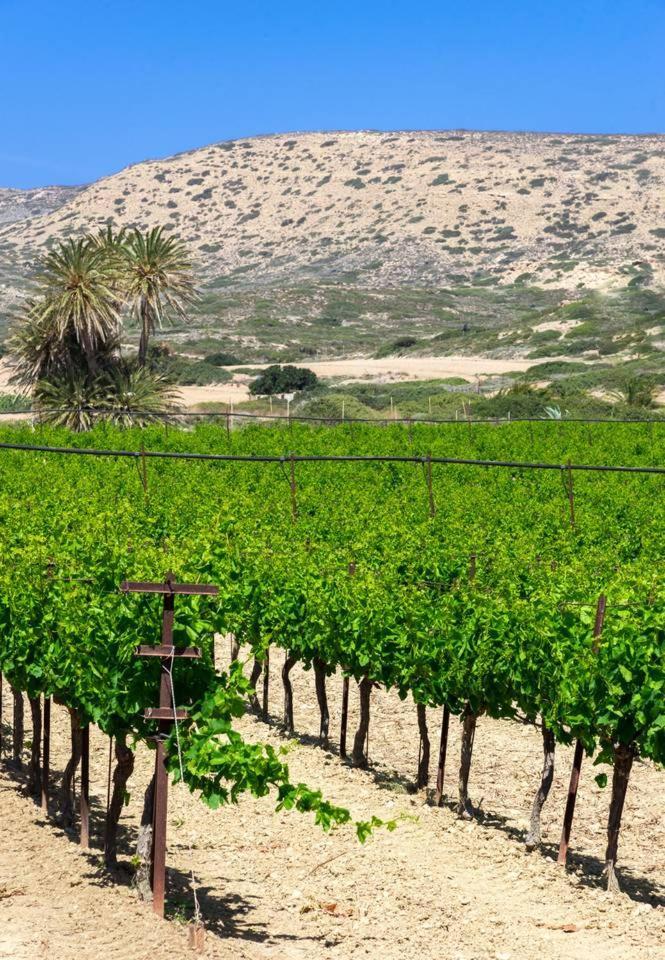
(88, 87)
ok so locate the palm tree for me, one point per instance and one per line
(66, 345)
(79, 286)
(157, 280)
(637, 392)
(125, 396)
(138, 396)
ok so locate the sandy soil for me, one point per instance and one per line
(233, 392)
(274, 886)
(415, 368)
(354, 368)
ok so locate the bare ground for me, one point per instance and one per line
(273, 886)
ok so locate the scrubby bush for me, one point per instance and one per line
(283, 379)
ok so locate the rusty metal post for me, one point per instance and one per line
(84, 798)
(473, 559)
(579, 753)
(144, 468)
(571, 494)
(430, 490)
(165, 714)
(158, 865)
(293, 488)
(345, 717)
(443, 749)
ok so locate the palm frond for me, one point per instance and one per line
(158, 280)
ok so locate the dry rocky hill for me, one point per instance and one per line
(416, 209)
(23, 204)
(316, 246)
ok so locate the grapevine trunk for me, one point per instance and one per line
(253, 680)
(533, 837)
(142, 878)
(18, 734)
(289, 663)
(123, 770)
(322, 698)
(624, 754)
(423, 762)
(469, 720)
(35, 769)
(359, 754)
(67, 787)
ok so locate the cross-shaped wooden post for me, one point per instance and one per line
(165, 713)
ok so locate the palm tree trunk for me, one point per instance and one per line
(144, 314)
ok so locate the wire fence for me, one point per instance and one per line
(308, 418)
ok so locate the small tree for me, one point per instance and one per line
(287, 379)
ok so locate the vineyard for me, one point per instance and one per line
(533, 594)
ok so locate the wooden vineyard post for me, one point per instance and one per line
(84, 791)
(1, 731)
(579, 753)
(166, 714)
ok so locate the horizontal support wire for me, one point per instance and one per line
(328, 458)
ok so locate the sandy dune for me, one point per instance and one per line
(415, 368)
(355, 368)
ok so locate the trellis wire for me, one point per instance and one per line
(329, 458)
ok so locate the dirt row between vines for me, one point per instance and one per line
(273, 886)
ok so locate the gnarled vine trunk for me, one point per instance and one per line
(534, 837)
(359, 754)
(624, 754)
(289, 664)
(35, 768)
(142, 878)
(322, 698)
(67, 786)
(253, 680)
(235, 648)
(18, 734)
(469, 720)
(424, 754)
(124, 768)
